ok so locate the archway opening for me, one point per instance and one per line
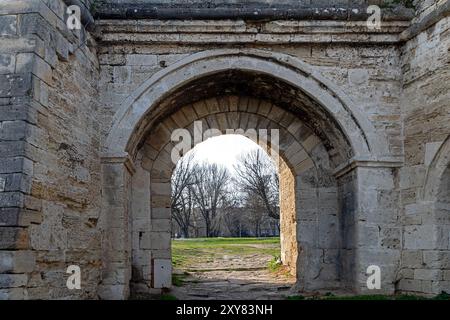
(312, 244)
(319, 134)
(226, 221)
(442, 233)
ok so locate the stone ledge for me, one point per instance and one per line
(248, 11)
(124, 158)
(241, 26)
(240, 31)
(366, 163)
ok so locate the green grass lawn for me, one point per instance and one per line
(186, 252)
(189, 252)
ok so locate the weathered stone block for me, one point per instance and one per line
(161, 213)
(358, 76)
(160, 240)
(380, 257)
(141, 59)
(380, 178)
(33, 63)
(14, 238)
(145, 242)
(113, 291)
(7, 63)
(436, 259)
(162, 225)
(161, 189)
(13, 294)
(23, 112)
(15, 182)
(20, 261)
(161, 254)
(13, 85)
(34, 23)
(13, 130)
(11, 199)
(390, 238)
(328, 231)
(307, 232)
(412, 258)
(368, 236)
(412, 176)
(438, 287)
(416, 209)
(160, 201)
(8, 25)
(17, 217)
(406, 274)
(419, 237)
(13, 280)
(410, 285)
(428, 274)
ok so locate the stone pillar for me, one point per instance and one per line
(116, 224)
(318, 234)
(159, 237)
(378, 234)
(24, 80)
(308, 259)
(141, 226)
(347, 199)
(288, 218)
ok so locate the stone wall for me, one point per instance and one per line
(58, 98)
(369, 73)
(425, 108)
(49, 153)
(378, 232)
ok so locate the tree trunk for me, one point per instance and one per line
(208, 231)
(186, 232)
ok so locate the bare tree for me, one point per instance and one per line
(182, 193)
(255, 213)
(210, 191)
(256, 176)
(231, 214)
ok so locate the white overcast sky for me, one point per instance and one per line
(223, 150)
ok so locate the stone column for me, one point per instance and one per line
(288, 218)
(378, 233)
(308, 258)
(141, 225)
(159, 238)
(318, 234)
(116, 231)
(24, 81)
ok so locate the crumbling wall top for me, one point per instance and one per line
(249, 10)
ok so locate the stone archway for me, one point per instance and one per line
(305, 165)
(431, 237)
(128, 122)
(435, 171)
(330, 149)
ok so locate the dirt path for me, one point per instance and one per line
(233, 277)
